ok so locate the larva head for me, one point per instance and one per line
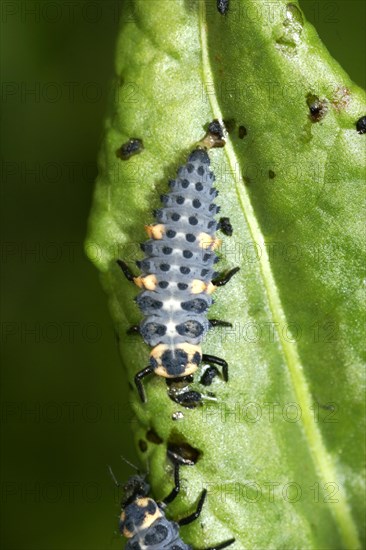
(175, 361)
(138, 511)
(135, 488)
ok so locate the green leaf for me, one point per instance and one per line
(280, 447)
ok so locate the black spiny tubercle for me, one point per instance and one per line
(178, 278)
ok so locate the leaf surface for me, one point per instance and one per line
(280, 447)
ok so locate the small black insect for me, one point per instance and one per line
(361, 125)
(223, 6)
(216, 128)
(143, 521)
(178, 278)
(132, 147)
(216, 133)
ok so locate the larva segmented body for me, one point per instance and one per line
(181, 262)
(178, 275)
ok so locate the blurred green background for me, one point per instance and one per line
(65, 410)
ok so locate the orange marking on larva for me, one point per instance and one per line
(210, 288)
(155, 231)
(142, 502)
(205, 240)
(216, 244)
(198, 286)
(126, 532)
(190, 368)
(149, 282)
(138, 281)
(190, 349)
(158, 351)
(148, 518)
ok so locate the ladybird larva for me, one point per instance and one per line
(178, 276)
(143, 521)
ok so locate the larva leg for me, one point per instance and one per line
(126, 270)
(218, 361)
(219, 323)
(197, 513)
(139, 376)
(174, 492)
(148, 283)
(222, 280)
(221, 546)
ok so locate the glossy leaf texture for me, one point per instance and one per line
(280, 446)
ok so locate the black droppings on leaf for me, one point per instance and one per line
(132, 147)
(223, 6)
(242, 132)
(361, 125)
(271, 174)
(317, 107)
